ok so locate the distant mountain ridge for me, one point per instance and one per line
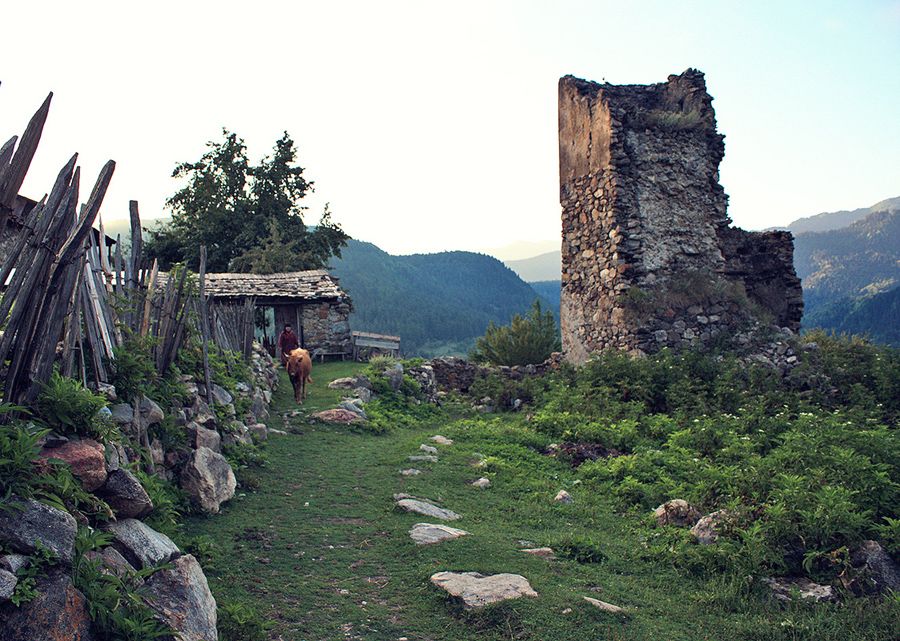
(828, 221)
(546, 266)
(437, 303)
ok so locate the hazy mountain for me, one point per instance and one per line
(437, 303)
(522, 249)
(542, 267)
(837, 219)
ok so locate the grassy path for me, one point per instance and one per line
(320, 549)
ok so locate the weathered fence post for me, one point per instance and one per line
(204, 325)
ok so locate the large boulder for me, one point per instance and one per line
(348, 382)
(477, 590)
(151, 412)
(259, 431)
(878, 570)
(140, 544)
(706, 530)
(122, 413)
(125, 495)
(180, 597)
(29, 522)
(58, 613)
(677, 512)
(86, 458)
(208, 479)
(200, 436)
(202, 414)
(8, 582)
(112, 562)
(394, 376)
(221, 396)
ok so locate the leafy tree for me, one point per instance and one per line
(528, 339)
(248, 216)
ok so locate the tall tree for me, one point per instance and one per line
(249, 217)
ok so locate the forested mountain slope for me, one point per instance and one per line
(437, 303)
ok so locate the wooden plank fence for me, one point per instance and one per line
(67, 301)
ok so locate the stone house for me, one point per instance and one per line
(311, 301)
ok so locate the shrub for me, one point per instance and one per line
(67, 406)
(580, 548)
(527, 339)
(169, 502)
(19, 446)
(238, 622)
(133, 370)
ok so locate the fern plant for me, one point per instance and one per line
(67, 406)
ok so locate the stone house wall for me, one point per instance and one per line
(326, 326)
(648, 259)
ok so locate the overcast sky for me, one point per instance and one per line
(432, 125)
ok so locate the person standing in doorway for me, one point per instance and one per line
(287, 342)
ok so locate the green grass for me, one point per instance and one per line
(321, 551)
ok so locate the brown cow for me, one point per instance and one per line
(299, 367)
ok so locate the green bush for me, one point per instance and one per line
(169, 502)
(238, 622)
(527, 339)
(133, 370)
(68, 407)
(19, 446)
(580, 548)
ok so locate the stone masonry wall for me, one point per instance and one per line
(648, 258)
(326, 327)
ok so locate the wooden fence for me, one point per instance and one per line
(67, 300)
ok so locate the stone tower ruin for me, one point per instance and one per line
(648, 257)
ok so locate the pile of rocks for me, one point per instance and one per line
(201, 470)
(178, 594)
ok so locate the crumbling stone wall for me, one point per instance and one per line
(649, 260)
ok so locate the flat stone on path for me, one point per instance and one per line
(411, 472)
(340, 415)
(603, 605)
(421, 507)
(544, 553)
(428, 533)
(482, 483)
(425, 457)
(477, 590)
(441, 440)
(428, 449)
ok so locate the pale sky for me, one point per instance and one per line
(432, 126)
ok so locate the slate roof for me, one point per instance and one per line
(315, 284)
